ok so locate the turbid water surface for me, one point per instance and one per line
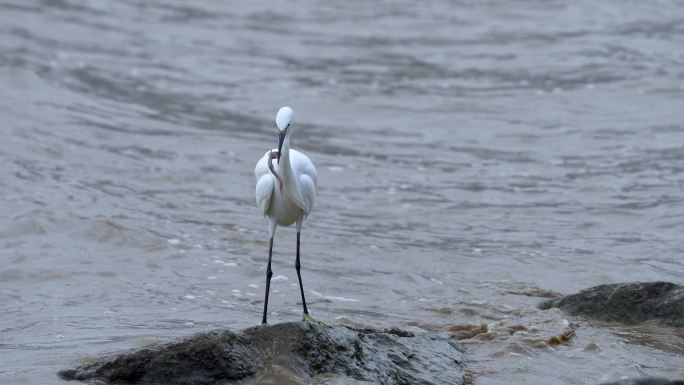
(472, 157)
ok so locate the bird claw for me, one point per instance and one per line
(308, 318)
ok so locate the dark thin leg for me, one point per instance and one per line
(269, 273)
(299, 275)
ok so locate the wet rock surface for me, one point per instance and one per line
(629, 303)
(222, 357)
(646, 381)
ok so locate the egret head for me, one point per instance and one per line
(283, 119)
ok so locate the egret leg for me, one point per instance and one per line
(269, 273)
(299, 275)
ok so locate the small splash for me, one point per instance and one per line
(565, 337)
(514, 349)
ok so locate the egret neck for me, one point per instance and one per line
(287, 175)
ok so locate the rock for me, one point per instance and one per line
(646, 381)
(222, 357)
(629, 303)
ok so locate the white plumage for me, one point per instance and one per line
(298, 194)
(285, 192)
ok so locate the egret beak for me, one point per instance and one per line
(280, 142)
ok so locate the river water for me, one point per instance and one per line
(473, 157)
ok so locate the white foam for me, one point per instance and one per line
(224, 263)
(342, 299)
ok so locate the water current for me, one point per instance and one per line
(473, 158)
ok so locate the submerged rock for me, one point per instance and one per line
(646, 381)
(222, 357)
(626, 302)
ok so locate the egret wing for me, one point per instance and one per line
(308, 190)
(264, 192)
(301, 164)
(262, 166)
(305, 173)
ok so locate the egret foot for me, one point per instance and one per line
(309, 318)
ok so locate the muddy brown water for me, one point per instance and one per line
(472, 156)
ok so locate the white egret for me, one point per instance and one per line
(285, 193)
